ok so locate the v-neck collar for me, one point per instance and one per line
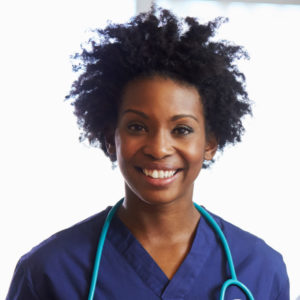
(148, 270)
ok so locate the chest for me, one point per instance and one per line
(168, 256)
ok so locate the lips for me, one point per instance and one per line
(156, 173)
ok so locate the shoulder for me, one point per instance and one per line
(52, 261)
(68, 240)
(246, 243)
(254, 255)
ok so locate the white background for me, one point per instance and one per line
(49, 181)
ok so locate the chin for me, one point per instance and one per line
(158, 197)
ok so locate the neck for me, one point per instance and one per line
(160, 222)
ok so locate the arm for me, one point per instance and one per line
(21, 287)
(285, 292)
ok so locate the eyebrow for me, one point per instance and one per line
(136, 112)
(174, 118)
(177, 117)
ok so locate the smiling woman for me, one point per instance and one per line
(160, 144)
(163, 132)
(161, 101)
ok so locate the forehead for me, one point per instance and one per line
(159, 94)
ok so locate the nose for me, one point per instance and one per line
(158, 145)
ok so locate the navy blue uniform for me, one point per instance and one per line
(61, 266)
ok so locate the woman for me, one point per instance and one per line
(160, 97)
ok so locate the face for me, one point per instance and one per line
(160, 140)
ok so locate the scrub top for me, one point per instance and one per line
(61, 266)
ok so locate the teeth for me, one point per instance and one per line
(154, 174)
(158, 173)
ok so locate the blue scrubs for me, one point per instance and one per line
(61, 267)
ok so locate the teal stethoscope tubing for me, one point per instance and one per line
(232, 281)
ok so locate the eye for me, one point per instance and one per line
(136, 127)
(183, 130)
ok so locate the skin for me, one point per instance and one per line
(161, 125)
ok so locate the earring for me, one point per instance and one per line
(111, 151)
(114, 165)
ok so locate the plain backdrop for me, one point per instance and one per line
(49, 181)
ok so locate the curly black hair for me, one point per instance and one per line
(159, 43)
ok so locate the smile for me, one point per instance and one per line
(159, 174)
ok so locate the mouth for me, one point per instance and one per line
(159, 177)
(159, 174)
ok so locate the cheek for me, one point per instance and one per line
(195, 151)
(125, 147)
(195, 161)
(194, 157)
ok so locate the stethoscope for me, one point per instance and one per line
(232, 281)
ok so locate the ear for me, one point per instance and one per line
(110, 146)
(211, 147)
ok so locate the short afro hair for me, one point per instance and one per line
(159, 43)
